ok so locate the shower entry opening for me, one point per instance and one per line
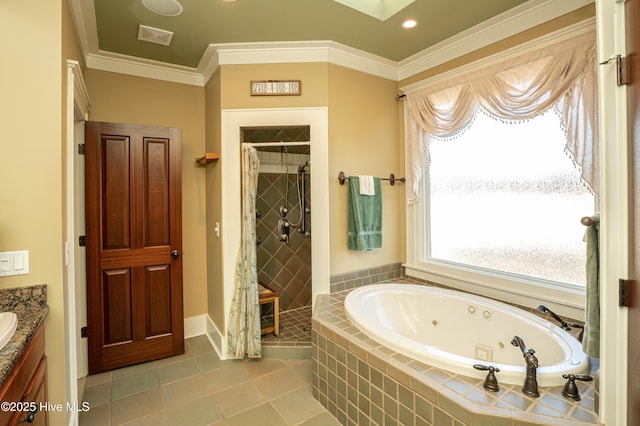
(283, 227)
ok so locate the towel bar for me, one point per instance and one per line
(392, 178)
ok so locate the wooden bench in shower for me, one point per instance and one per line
(266, 295)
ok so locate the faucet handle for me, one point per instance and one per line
(570, 389)
(490, 383)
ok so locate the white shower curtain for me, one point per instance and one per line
(243, 333)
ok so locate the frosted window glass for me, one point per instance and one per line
(507, 197)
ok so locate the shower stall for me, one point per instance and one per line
(283, 227)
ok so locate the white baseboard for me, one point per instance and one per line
(203, 325)
(216, 338)
(195, 326)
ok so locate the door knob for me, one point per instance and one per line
(175, 254)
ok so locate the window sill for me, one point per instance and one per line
(565, 301)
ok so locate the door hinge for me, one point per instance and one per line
(623, 292)
(84, 332)
(81, 148)
(622, 69)
(82, 241)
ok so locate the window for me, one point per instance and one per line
(494, 207)
(505, 197)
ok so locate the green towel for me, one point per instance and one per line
(591, 339)
(365, 216)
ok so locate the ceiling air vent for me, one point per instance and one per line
(154, 35)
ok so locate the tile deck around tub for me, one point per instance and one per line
(362, 382)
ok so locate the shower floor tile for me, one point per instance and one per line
(295, 328)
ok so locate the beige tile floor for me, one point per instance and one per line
(197, 388)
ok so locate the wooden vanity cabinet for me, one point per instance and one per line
(26, 386)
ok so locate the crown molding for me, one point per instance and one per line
(507, 24)
(295, 52)
(566, 33)
(365, 62)
(84, 18)
(518, 19)
(123, 64)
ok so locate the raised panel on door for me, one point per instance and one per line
(156, 192)
(116, 285)
(116, 182)
(158, 287)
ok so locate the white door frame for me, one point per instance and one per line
(77, 106)
(614, 215)
(232, 123)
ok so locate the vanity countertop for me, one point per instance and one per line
(30, 305)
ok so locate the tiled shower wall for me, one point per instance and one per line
(285, 268)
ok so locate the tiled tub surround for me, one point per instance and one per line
(361, 382)
(30, 305)
(354, 279)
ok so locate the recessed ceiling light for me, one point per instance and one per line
(229, 1)
(410, 23)
(163, 7)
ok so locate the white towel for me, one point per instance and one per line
(366, 185)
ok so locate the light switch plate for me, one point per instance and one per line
(14, 263)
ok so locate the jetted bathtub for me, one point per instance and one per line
(453, 331)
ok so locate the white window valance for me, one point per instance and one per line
(561, 75)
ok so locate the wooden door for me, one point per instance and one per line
(632, 37)
(134, 244)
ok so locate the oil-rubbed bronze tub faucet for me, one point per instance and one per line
(490, 383)
(530, 387)
(565, 325)
(570, 390)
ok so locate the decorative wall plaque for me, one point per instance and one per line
(275, 88)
